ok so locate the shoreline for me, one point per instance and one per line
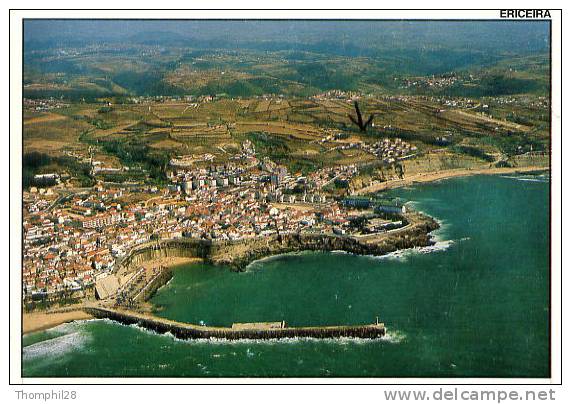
(41, 320)
(422, 178)
(44, 320)
(170, 261)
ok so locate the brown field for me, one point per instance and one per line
(262, 106)
(299, 131)
(101, 133)
(167, 144)
(53, 135)
(481, 118)
(54, 147)
(277, 106)
(218, 127)
(189, 78)
(46, 117)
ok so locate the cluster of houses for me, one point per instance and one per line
(327, 175)
(434, 81)
(45, 104)
(520, 100)
(388, 150)
(194, 101)
(465, 103)
(70, 243)
(68, 247)
(379, 205)
(337, 94)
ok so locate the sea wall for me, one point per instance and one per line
(157, 282)
(192, 331)
(238, 254)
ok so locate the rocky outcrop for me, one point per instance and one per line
(238, 254)
(185, 247)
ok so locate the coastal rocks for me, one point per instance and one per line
(189, 248)
(239, 253)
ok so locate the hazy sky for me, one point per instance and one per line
(533, 35)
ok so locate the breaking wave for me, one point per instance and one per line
(392, 337)
(402, 255)
(257, 264)
(441, 243)
(56, 346)
(528, 178)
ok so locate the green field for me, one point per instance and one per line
(468, 94)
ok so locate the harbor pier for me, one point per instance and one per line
(238, 331)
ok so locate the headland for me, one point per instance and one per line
(237, 254)
(148, 266)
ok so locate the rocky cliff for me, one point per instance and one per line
(238, 254)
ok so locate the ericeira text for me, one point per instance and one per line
(525, 13)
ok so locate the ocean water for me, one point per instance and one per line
(474, 305)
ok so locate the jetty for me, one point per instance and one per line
(273, 330)
(124, 296)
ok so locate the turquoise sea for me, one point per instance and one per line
(474, 305)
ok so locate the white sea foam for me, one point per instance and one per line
(402, 255)
(535, 178)
(438, 246)
(146, 330)
(340, 252)
(257, 264)
(391, 337)
(56, 346)
(395, 337)
(73, 326)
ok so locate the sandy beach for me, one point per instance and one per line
(43, 320)
(440, 175)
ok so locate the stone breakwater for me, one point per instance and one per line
(253, 331)
(155, 284)
(239, 253)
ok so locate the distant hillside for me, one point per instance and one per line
(78, 59)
